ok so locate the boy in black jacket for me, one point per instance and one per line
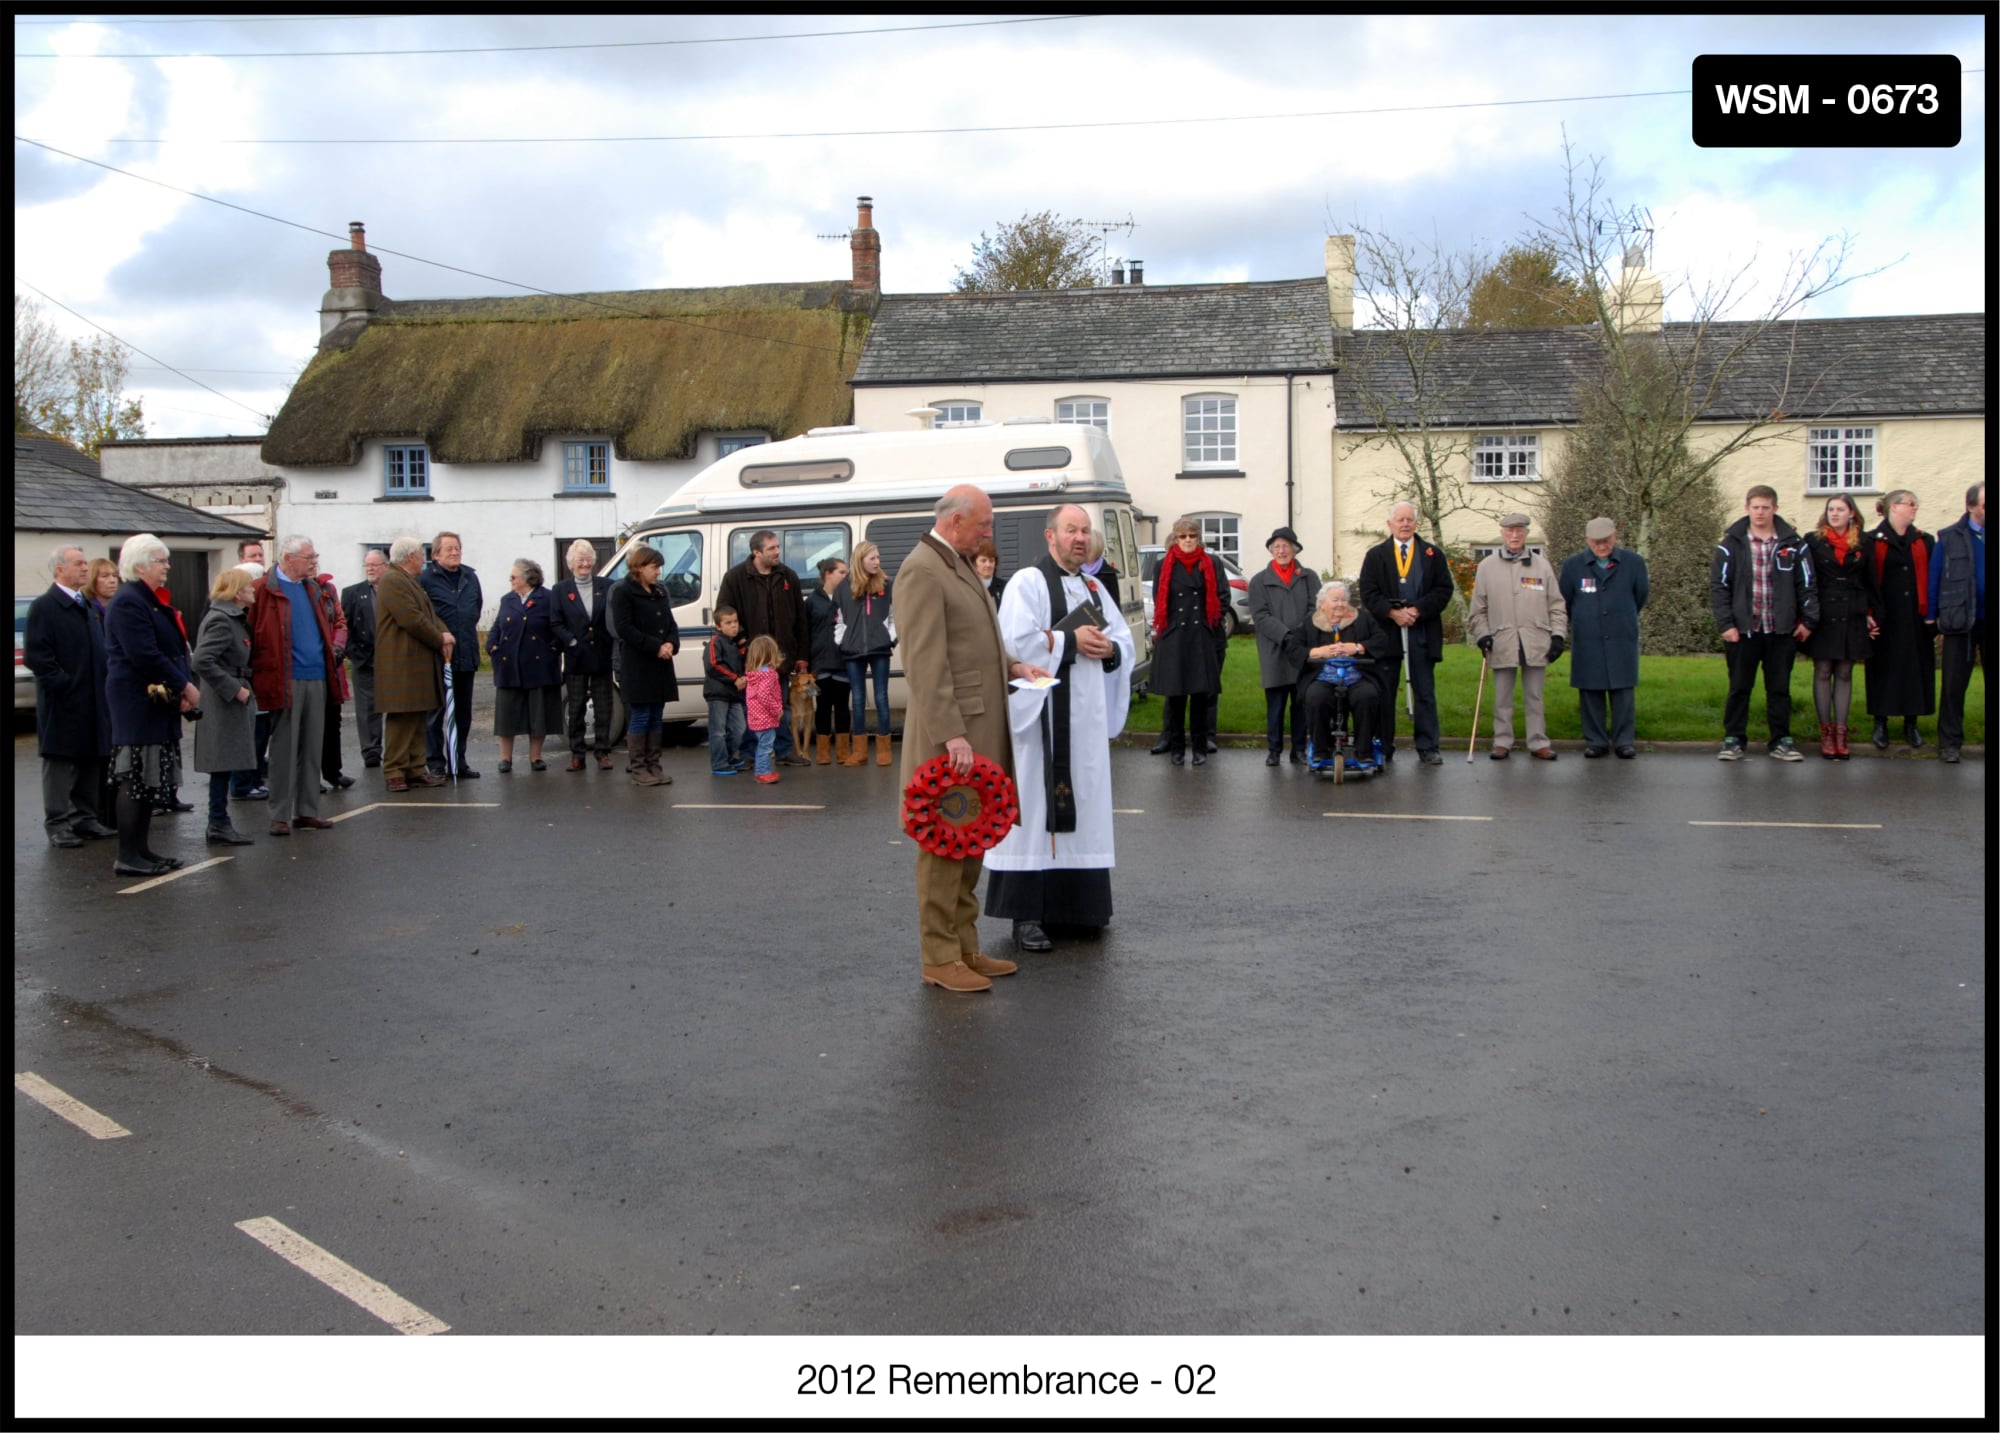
(722, 683)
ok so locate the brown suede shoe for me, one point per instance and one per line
(989, 965)
(312, 823)
(429, 778)
(956, 976)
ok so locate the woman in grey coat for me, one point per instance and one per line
(225, 740)
(1282, 596)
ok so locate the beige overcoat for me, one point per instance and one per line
(953, 659)
(1518, 606)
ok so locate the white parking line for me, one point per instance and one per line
(414, 806)
(1128, 811)
(75, 1111)
(342, 1277)
(1399, 816)
(1805, 825)
(738, 806)
(175, 875)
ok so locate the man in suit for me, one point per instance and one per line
(578, 624)
(1405, 583)
(64, 647)
(411, 645)
(957, 670)
(358, 602)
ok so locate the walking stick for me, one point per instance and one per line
(1409, 695)
(1479, 692)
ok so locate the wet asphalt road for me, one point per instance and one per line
(596, 1061)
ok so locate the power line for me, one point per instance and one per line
(189, 19)
(264, 418)
(530, 49)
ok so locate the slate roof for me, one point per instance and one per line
(1127, 331)
(1912, 366)
(57, 489)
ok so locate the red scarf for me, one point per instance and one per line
(167, 601)
(1285, 572)
(1840, 542)
(1920, 565)
(1199, 562)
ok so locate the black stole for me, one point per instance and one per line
(1056, 785)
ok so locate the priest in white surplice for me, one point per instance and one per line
(1054, 869)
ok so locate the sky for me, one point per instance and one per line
(1214, 137)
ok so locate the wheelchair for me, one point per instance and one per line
(1343, 761)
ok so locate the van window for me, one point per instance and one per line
(1017, 536)
(772, 475)
(1025, 459)
(680, 569)
(799, 548)
(898, 538)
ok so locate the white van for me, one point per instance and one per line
(825, 491)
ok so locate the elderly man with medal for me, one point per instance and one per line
(1053, 870)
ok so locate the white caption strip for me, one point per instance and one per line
(175, 875)
(738, 806)
(1799, 825)
(1398, 816)
(343, 1278)
(75, 1111)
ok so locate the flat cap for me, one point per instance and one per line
(1515, 519)
(1599, 528)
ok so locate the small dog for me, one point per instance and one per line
(805, 692)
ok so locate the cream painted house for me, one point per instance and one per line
(1216, 397)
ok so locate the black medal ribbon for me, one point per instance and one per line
(1056, 784)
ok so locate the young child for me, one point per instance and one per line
(764, 703)
(722, 683)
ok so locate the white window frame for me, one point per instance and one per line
(959, 412)
(1097, 412)
(1198, 412)
(1222, 532)
(1507, 458)
(1842, 459)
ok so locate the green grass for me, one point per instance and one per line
(1679, 699)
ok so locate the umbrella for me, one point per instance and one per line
(450, 726)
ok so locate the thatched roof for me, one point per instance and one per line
(485, 380)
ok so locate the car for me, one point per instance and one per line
(24, 680)
(1236, 617)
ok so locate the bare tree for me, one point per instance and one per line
(1658, 380)
(39, 361)
(1037, 251)
(73, 390)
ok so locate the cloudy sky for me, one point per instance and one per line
(1234, 145)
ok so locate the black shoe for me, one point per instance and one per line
(1911, 735)
(1881, 737)
(1593, 752)
(255, 793)
(1029, 935)
(1297, 758)
(1948, 755)
(1161, 749)
(1211, 747)
(139, 868)
(371, 762)
(1179, 758)
(175, 808)
(1271, 757)
(227, 835)
(1625, 753)
(92, 830)
(1430, 758)
(171, 863)
(1200, 757)
(466, 773)
(343, 782)
(68, 840)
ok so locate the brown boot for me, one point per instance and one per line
(988, 965)
(857, 751)
(638, 760)
(1840, 740)
(1829, 744)
(956, 976)
(883, 755)
(825, 745)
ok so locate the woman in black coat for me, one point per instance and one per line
(144, 648)
(1337, 628)
(1841, 638)
(1190, 603)
(1902, 673)
(642, 614)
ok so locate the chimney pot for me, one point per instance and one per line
(1138, 271)
(357, 235)
(1118, 274)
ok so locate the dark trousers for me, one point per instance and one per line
(831, 716)
(1423, 694)
(70, 792)
(1274, 717)
(329, 743)
(367, 721)
(593, 690)
(461, 696)
(1771, 653)
(242, 782)
(1621, 730)
(218, 798)
(1961, 651)
(1325, 703)
(1173, 721)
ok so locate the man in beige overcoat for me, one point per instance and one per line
(1521, 622)
(411, 646)
(957, 671)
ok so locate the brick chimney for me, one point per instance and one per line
(354, 279)
(1340, 280)
(866, 245)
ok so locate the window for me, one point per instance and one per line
(799, 548)
(951, 415)
(1840, 460)
(1219, 534)
(1094, 412)
(586, 467)
(1022, 460)
(680, 565)
(725, 446)
(822, 470)
(1208, 431)
(406, 472)
(1507, 458)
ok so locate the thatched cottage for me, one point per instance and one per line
(525, 423)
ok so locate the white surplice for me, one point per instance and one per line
(1097, 705)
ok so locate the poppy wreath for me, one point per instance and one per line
(958, 818)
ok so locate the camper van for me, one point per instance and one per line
(833, 487)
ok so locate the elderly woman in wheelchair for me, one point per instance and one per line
(1340, 686)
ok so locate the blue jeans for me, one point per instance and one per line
(725, 733)
(646, 717)
(767, 741)
(859, 670)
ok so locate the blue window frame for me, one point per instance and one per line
(406, 471)
(725, 446)
(586, 467)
